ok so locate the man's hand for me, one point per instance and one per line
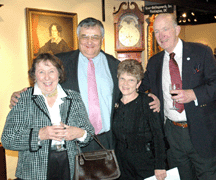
(155, 105)
(14, 98)
(183, 96)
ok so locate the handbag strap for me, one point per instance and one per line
(82, 156)
(96, 139)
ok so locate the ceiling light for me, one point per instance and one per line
(184, 15)
(189, 20)
(184, 21)
(195, 20)
(192, 13)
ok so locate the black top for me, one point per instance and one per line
(135, 126)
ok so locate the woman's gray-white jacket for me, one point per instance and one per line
(24, 122)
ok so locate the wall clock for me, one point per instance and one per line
(129, 31)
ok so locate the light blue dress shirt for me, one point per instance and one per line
(104, 86)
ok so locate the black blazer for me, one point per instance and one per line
(199, 74)
(70, 61)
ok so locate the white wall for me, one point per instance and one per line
(13, 45)
(205, 33)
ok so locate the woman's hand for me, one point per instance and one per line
(56, 132)
(160, 174)
(73, 132)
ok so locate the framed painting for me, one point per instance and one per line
(50, 32)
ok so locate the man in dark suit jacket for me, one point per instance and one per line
(191, 133)
(90, 34)
(70, 61)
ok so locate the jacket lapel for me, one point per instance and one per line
(71, 68)
(74, 71)
(113, 71)
(40, 103)
(159, 68)
(65, 106)
(187, 63)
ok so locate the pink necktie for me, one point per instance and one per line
(175, 78)
(93, 100)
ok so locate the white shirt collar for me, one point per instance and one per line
(178, 49)
(95, 59)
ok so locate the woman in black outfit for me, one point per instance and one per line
(140, 147)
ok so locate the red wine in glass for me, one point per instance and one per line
(174, 87)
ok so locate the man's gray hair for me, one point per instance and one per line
(90, 22)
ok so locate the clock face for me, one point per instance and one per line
(129, 35)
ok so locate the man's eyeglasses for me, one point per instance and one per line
(93, 37)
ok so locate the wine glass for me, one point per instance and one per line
(60, 145)
(174, 87)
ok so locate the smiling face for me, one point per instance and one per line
(128, 84)
(47, 76)
(166, 33)
(90, 41)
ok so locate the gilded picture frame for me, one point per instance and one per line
(50, 31)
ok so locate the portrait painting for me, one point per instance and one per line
(50, 32)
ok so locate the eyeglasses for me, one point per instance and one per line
(87, 37)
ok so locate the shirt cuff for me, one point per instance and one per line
(39, 140)
(196, 102)
(83, 138)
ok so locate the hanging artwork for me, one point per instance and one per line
(50, 31)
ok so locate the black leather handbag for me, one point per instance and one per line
(101, 164)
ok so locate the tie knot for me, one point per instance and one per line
(172, 55)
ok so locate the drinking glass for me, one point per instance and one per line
(60, 145)
(174, 87)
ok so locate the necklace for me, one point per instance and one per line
(52, 94)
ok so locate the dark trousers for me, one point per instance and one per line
(104, 138)
(58, 167)
(182, 154)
